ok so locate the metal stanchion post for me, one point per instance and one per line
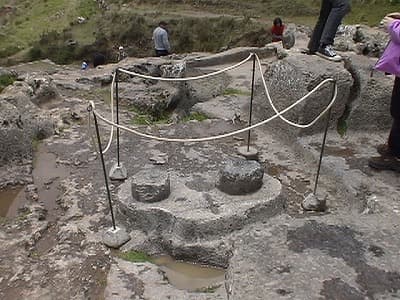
(251, 102)
(117, 100)
(322, 150)
(104, 170)
(250, 153)
(311, 202)
(118, 171)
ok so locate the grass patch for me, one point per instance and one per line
(341, 127)
(142, 118)
(209, 289)
(195, 116)
(135, 256)
(232, 91)
(6, 80)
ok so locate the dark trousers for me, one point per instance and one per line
(394, 137)
(330, 17)
(161, 52)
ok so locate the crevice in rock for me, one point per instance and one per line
(353, 95)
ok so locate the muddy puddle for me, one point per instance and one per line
(10, 200)
(188, 276)
(47, 175)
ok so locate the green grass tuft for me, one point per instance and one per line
(135, 256)
(6, 80)
(195, 116)
(209, 289)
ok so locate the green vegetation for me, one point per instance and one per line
(135, 256)
(209, 289)
(341, 127)
(144, 118)
(50, 29)
(195, 116)
(6, 80)
(232, 91)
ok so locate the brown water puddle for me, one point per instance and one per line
(188, 276)
(10, 200)
(47, 175)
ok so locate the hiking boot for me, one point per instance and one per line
(327, 52)
(384, 150)
(385, 163)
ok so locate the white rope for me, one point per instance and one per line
(205, 139)
(279, 114)
(188, 78)
(112, 119)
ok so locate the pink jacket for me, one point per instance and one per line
(390, 59)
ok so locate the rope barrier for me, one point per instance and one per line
(189, 78)
(112, 119)
(210, 138)
(306, 96)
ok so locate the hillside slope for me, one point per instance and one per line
(49, 28)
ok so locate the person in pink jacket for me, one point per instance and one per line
(389, 62)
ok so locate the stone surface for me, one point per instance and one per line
(250, 153)
(240, 177)
(118, 172)
(292, 78)
(232, 56)
(151, 185)
(370, 95)
(115, 238)
(190, 213)
(313, 203)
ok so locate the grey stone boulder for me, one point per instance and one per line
(150, 185)
(21, 122)
(115, 238)
(293, 77)
(312, 203)
(369, 103)
(153, 99)
(43, 88)
(240, 177)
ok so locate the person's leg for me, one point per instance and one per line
(314, 42)
(339, 9)
(394, 137)
(390, 160)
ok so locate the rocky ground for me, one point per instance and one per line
(350, 251)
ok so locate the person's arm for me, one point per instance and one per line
(394, 31)
(165, 41)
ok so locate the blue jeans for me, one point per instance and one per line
(330, 17)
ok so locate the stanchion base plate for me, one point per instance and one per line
(118, 172)
(250, 154)
(115, 238)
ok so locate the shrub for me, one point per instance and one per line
(6, 80)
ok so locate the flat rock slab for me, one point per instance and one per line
(191, 214)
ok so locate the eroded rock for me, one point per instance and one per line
(240, 177)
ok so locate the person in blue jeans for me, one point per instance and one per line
(331, 15)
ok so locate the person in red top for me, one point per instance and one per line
(277, 30)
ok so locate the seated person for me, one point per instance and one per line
(277, 30)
